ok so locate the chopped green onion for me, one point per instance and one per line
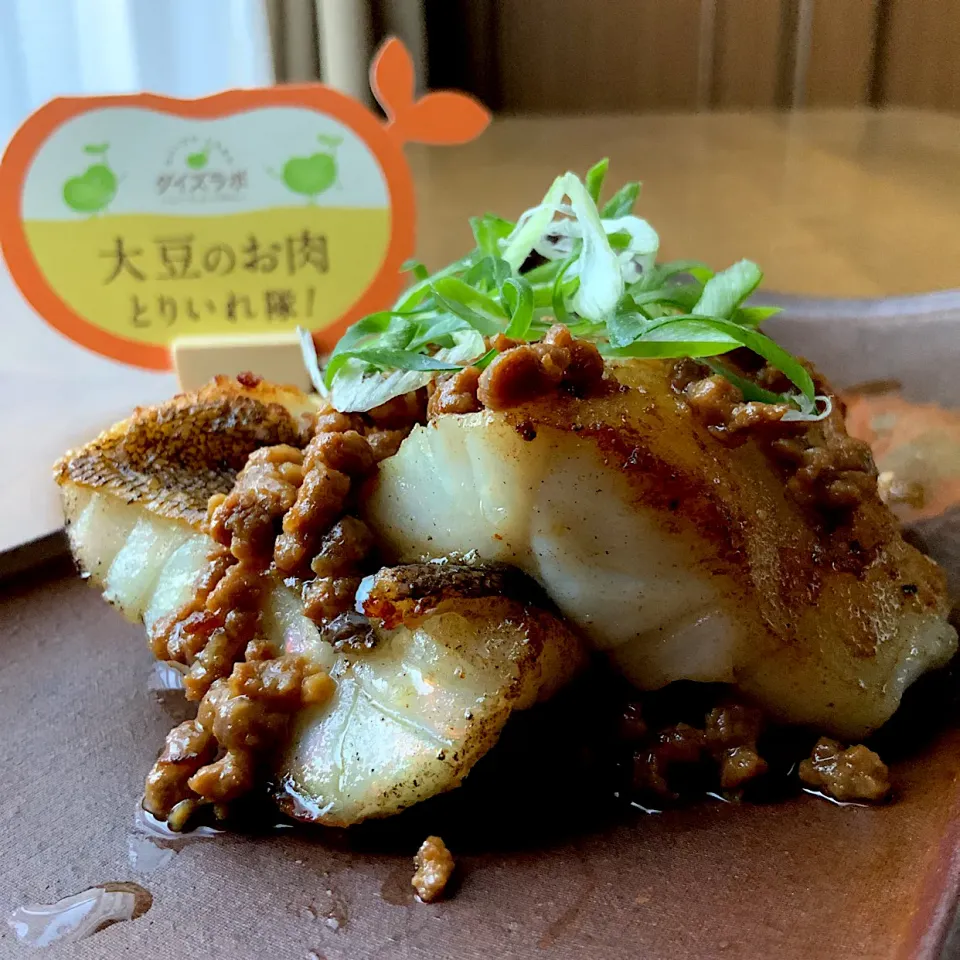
(543, 272)
(695, 336)
(387, 359)
(725, 291)
(374, 325)
(419, 271)
(595, 177)
(561, 290)
(750, 390)
(485, 360)
(399, 334)
(600, 278)
(436, 330)
(673, 267)
(542, 292)
(488, 231)
(487, 272)
(358, 387)
(679, 295)
(701, 274)
(481, 312)
(421, 289)
(623, 328)
(517, 296)
(754, 316)
(308, 350)
(532, 226)
(621, 203)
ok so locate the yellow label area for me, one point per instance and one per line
(152, 277)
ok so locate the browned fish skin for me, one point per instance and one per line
(406, 593)
(173, 457)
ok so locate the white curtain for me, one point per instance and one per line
(184, 48)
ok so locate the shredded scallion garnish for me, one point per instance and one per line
(570, 260)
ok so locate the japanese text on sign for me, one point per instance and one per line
(176, 258)
(279, 305)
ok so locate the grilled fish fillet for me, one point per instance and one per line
(680, 557)
(412, 714)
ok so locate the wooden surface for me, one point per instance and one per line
(745, 66)
(837, 203)
(613, 56)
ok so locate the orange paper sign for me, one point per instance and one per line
(131, 221)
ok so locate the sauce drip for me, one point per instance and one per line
(152, 844)
(165, 676)
(78, 916)
(148, 825)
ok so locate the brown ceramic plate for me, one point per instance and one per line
(545, 869)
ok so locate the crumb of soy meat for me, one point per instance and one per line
(434, 865)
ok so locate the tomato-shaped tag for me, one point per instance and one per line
(129, 222)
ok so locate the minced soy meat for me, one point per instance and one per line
(825, 468)
(678, 760)
(238, 718)
(455, 393)
(521, 372)
(724, 750)
(525, 371)
(854, 773)
(287, 512)
(434, 866)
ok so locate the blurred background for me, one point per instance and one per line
(541, 56)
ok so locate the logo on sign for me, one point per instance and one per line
(197, 170)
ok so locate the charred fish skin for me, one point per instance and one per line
(681, 556)
(171, 458)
